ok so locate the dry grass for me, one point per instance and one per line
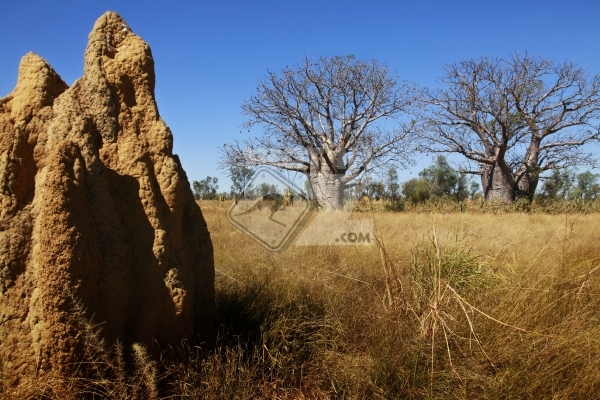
(480, 206)
(458, 305)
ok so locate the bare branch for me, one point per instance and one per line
(333, 105)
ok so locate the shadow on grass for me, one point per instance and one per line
(263, 313)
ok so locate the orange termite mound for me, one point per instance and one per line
(96, 213)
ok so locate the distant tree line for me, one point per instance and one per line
(207, 189)
(565, 185)
(439, 180)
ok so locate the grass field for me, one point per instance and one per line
(446, 306)
(459, 305)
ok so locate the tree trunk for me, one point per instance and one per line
(527, 185)
(528, 175)
(498, 183)
(327, 191)
(325, 175)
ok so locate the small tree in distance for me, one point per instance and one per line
(240, 176)
(445, 180)
(557, 186)
(206, 189)
(321, 118)
(587, 186)
(439, 180)
(416, 190)
(393, 185)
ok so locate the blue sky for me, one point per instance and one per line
(210, 54)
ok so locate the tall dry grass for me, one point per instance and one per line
(453, 305)
(463, 305)
(478, 206)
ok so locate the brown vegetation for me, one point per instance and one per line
(445, 205)
(447, 306)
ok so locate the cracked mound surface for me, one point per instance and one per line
(97, 218)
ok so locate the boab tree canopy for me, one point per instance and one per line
(514, 119)
(326, 119)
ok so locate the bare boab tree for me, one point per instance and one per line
(330, 120)
(514, 119)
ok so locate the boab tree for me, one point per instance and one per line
(514, 119)
(325, 119)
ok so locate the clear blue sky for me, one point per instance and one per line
(210, 54)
